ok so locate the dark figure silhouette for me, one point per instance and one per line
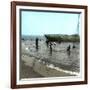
(36, 43)
(73, 46)
(68, 50)
(50, 45)
(47, 42)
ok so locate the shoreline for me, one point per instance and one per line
(31, 68)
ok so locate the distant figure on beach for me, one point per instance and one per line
(37, 43)
(68, 50)
(47, 42)
(54, 43)
(73, 46)
(50, 45)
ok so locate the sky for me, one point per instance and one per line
(40, 23)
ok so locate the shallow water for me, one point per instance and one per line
(58, 57)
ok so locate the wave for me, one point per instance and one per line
(62, 70)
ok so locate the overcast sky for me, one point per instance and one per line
(40, 23)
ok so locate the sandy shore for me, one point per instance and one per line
(32, 68)
(27, 71)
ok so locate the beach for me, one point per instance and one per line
(32, 69)
(40, 64)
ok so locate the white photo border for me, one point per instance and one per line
(53, 79)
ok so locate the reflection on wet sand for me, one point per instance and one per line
(52, 61)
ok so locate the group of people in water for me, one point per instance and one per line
(50, 45)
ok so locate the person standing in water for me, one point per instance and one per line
(68, 50)
(50, 45)
(37, 43)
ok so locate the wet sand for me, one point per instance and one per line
(28, 72)
(39, 64)
(31, 68)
